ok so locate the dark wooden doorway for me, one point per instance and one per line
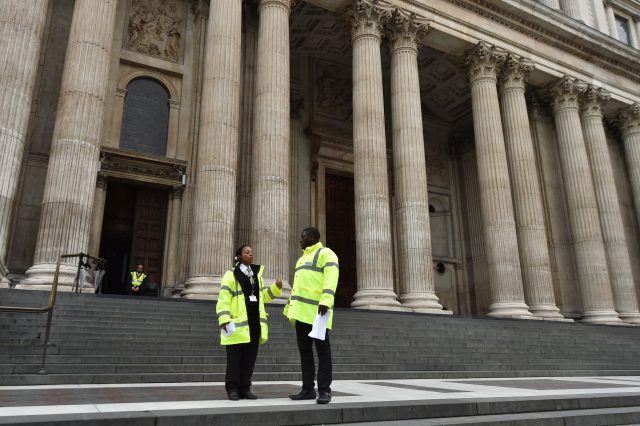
(133, 233)
(341, 233)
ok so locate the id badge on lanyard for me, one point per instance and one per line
(252, 296)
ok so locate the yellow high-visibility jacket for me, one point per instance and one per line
(231, 307)
(137, 280)
(314, 283)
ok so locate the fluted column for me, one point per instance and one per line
(373, 222)
(501, 243)
(591, 262)
(629, 119)
(611, 18)
(65, 221)
(21, 27)
(613, 233)
(572, 8)
(554, 4)
(211, 251)
(271, 162)
(97, 214)
(527, 196)
(417, 290)
(174, 240)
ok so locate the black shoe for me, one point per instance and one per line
(233, 396)
(324, 398)
(304, 394)
(247, 395)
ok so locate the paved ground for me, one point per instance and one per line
(16, 401)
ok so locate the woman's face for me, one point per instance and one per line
(247, 256)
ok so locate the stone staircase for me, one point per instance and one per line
(110, 339)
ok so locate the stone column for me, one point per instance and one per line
(630, 128)
(501, 243)
(373, 221)
(211, 251)
(270, 157)
(174, 240)
(613, 233)
(417, 290)
(21, 26)
(591, 262)
(65, 221)
(636, 22)
(572, 8)
(611, 18)
(527, 196)
(97, 214)
(554, 4)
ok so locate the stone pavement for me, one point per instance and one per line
(528, 398)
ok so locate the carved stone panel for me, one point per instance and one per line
(331, 94)
(156, 28)
(437, 164)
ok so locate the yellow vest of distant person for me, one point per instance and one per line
(231, 307)
(137, 280)
(314, 283)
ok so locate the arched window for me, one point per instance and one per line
(145, 119)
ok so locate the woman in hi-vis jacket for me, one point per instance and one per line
(243, 320)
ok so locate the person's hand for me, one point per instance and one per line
(322, 309)
(279, 283)
(224, 326)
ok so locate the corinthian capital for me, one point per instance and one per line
(593, 99)
(406, 29)
(287, 4)
(368, 18)
(484, 61)
(566, 92)
(630, 120)
(515, 72)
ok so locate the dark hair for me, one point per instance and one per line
(239, 252)
(312, 232)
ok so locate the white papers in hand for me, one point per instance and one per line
(231, 327)
(319, 328)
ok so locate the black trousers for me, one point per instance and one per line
(323, 349)
(241, 359)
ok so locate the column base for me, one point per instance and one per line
(377, 299)
(601, 317)
(546, 312)
(423, 302)
(513, 310)
(202, 288)
(630, 318)
(40, 277)
(4, 282)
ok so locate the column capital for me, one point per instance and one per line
(102, 181)
(566, 92)
(629, 119)
(515, 72)
(406, 30)
(608, 3)
(287, 4)
(296, 107)
(176, 192)
(367, 18)
(120, 92)
(484, 61)
(636, 19)
(593, 99)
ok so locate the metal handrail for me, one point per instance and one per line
(52, 301)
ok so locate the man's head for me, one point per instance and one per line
(309, 237)
(139, 268)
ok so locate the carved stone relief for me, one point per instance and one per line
(437, 165)
(331, 94)
(156, 28)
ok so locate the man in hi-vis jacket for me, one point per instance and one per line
(313, 292)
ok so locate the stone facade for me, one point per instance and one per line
(492, 147)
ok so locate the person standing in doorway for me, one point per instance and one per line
(137, 282)
(243, 320)
(314, 289)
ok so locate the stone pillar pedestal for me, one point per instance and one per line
(501, 242)
(417, 290)
(373, 222)
(527, 196)
(211, 252)
(21, 26)
(591, 262)
(65, 221)
(271, 140)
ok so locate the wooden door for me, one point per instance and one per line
(149, 230)
(341, 234)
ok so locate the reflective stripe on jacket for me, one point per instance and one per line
(135, 280)
(231, 307)
(314, 283)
